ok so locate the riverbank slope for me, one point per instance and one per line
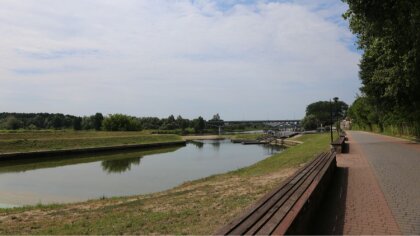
(35, 141)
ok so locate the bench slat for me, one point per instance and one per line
(271, 225)
(259, 212)
(281, 207)
(227, 229)
(284, 224)
(268, 214)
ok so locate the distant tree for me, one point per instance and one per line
(87, 123)
(310, 122)
(215, 122)
(97, 121)
(57, 121)
(182, 123)
(199, 124)
(150, 122)
(321, 110)
(77, 123)
(169, 123)
(32, 127)
(363, 114)
(12, 123)
(120, 122)
(39, 121)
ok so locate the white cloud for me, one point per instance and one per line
(161, 57)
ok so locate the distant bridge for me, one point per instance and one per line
(274, 123)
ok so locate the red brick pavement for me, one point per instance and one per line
(355, 203)
(366, 209)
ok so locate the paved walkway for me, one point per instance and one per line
(396, 164)
(376, 189)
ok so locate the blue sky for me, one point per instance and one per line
(242, 59)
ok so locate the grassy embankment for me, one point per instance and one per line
(56, 140)
(408, 133)
(196, 207)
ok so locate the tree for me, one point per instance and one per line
(363, 114)
(87, 123)
(199, 124)
(169, 123)
(388, 32)
(310, 122)
(150, 122)
(216, 122)
(57, 121)
(77, 123)
(182, 123)
(97, 121)
(120, 122)
(12, 123)
(321, 111)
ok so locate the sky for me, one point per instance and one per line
(243, 59)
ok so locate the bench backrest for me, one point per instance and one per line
(279, 211)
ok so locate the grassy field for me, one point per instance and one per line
(196, 207)
(55, 140)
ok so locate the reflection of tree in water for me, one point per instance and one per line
(272, 149)
(216, 145)
(120, 165)
(197, 144)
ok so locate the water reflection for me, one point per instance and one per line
(120, 165)
(216, 145)
(272, 149)
(117, 158)
(198, 144)
(82, 177)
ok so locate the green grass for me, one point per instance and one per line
(52, 134)
(37, 141)
(290, 157)
(196, 207)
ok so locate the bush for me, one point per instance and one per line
(120, 122)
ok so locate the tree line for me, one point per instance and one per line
(112, 122)
(388, 32)
(324, 113)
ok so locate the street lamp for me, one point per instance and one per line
(336, 114)
(331, 114)
(331, 124)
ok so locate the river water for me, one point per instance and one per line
(79, 178)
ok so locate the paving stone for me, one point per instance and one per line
(355, 203)
(396, 165)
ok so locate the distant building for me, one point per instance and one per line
(345, 124)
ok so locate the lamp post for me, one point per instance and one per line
(331, 116)
(336, 114)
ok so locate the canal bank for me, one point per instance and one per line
(86, 150)
(196, 207)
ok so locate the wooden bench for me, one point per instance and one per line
(288, 209)
(339, 144)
